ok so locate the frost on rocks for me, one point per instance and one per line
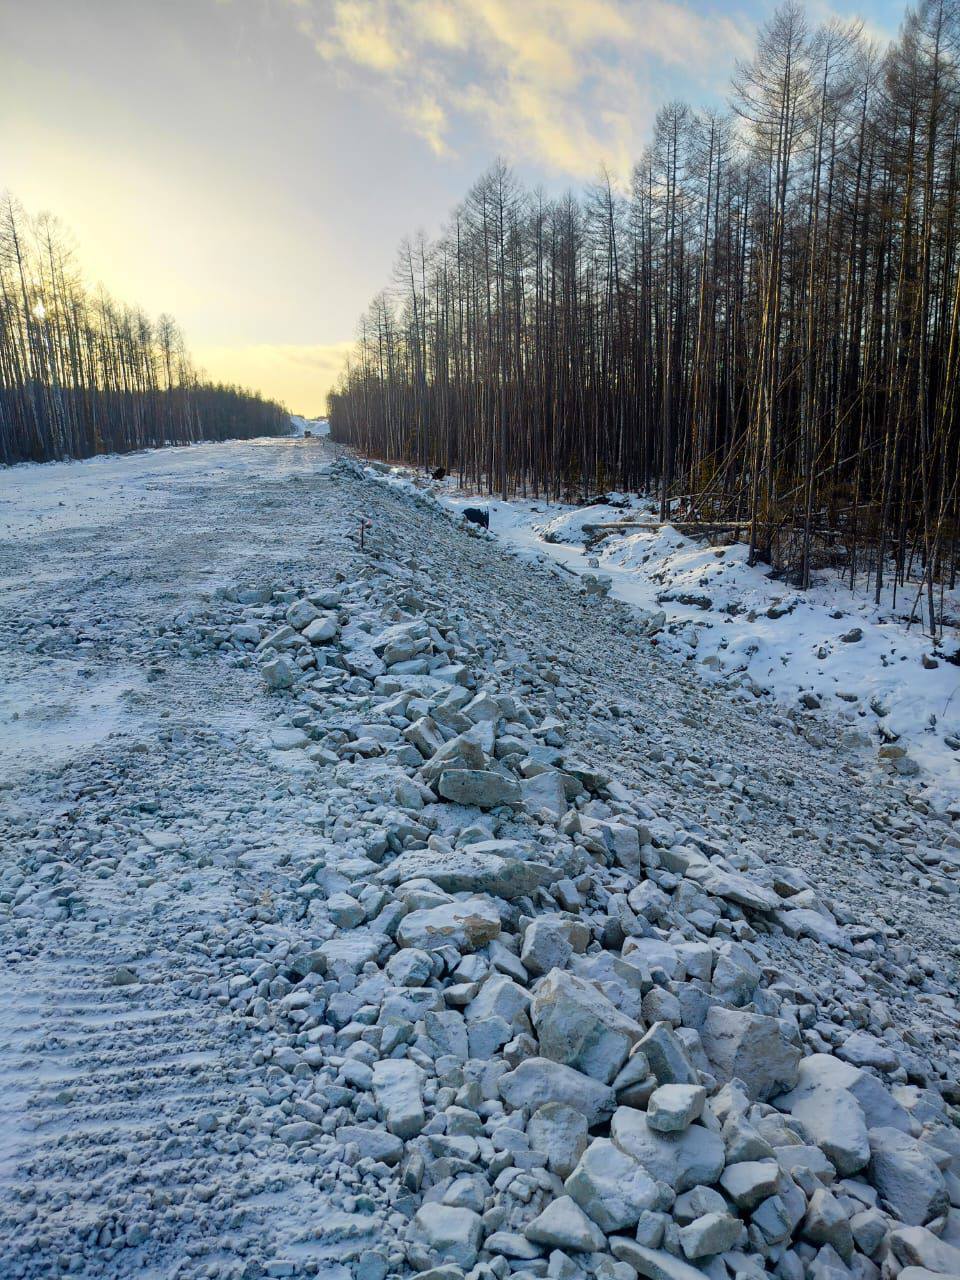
(408, 914)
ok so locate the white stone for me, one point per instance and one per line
(611, 1186)
(578, 1026)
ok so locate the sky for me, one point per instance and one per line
(250, 166)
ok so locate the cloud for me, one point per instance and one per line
(299, 376)
(562, 82)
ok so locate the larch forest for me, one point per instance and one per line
(764, 330)
(81, 374)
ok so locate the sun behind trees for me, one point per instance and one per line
(763, 331)
(81, 374)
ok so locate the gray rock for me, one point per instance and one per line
(465, 925)
(752, 1048)
(481, 787)
(564, 1225)
(683, 1160)
(374, 1144)
(578, 1026)
(281, 672)
(537, 1081)
(668, 1059)
(750, 1181)
(454, 1234)
(827, 1223)
(656, 1264)
(709, 1234)
(674, 1107)
(611, 1186)
(906, 1177)
(558, 1132)
(397, 1085)
(472, 870)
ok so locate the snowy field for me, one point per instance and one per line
(372, 912)
(829, 655)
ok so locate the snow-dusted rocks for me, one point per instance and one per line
(578, 1026)
(686, 1159)
(537, 1081)
(474, 1040)
(564, 1225)
(611, 1187)
(465, 925)
(397, 1087)
(752, 1048)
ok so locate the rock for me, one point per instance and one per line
(668, 1059)
(750, 1047)
(918, 1247)
(300, 613)
(564, 1225)
(827, 1223)
(397, 1085)
(537, 1081)
(543, 794)
(320, 630)
(454, 1234)
(281, 672)
(465, 925)
(481, 787)
(865, 1050)
(906, 1177)
(656, 1264)
(500, 997)
(750, 1181)
(683, 1160)
(558, 1132)
(546, 945)
(288, 739)
(475, 869)
(578, 1026)
(709, 1234)
(611, 1186)
(834, 1121)
(735, 887)
(674, 1107)
(374, 1144)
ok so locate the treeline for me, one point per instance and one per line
(81, 374)
(763, 330)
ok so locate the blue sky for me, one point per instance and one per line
(250, 165)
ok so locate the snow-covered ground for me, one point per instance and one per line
(338, 882)
(827, 654)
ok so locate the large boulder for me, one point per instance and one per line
(683, 1160)
(611, 1186)
(473, 870)
(465, 925)
(398, 1089)
(484, 788)
(906, 1177)
(752, 1048)
(578, 1026)
(537, 1081)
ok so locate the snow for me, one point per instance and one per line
(740, 626)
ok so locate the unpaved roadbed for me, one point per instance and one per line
(404, 909)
